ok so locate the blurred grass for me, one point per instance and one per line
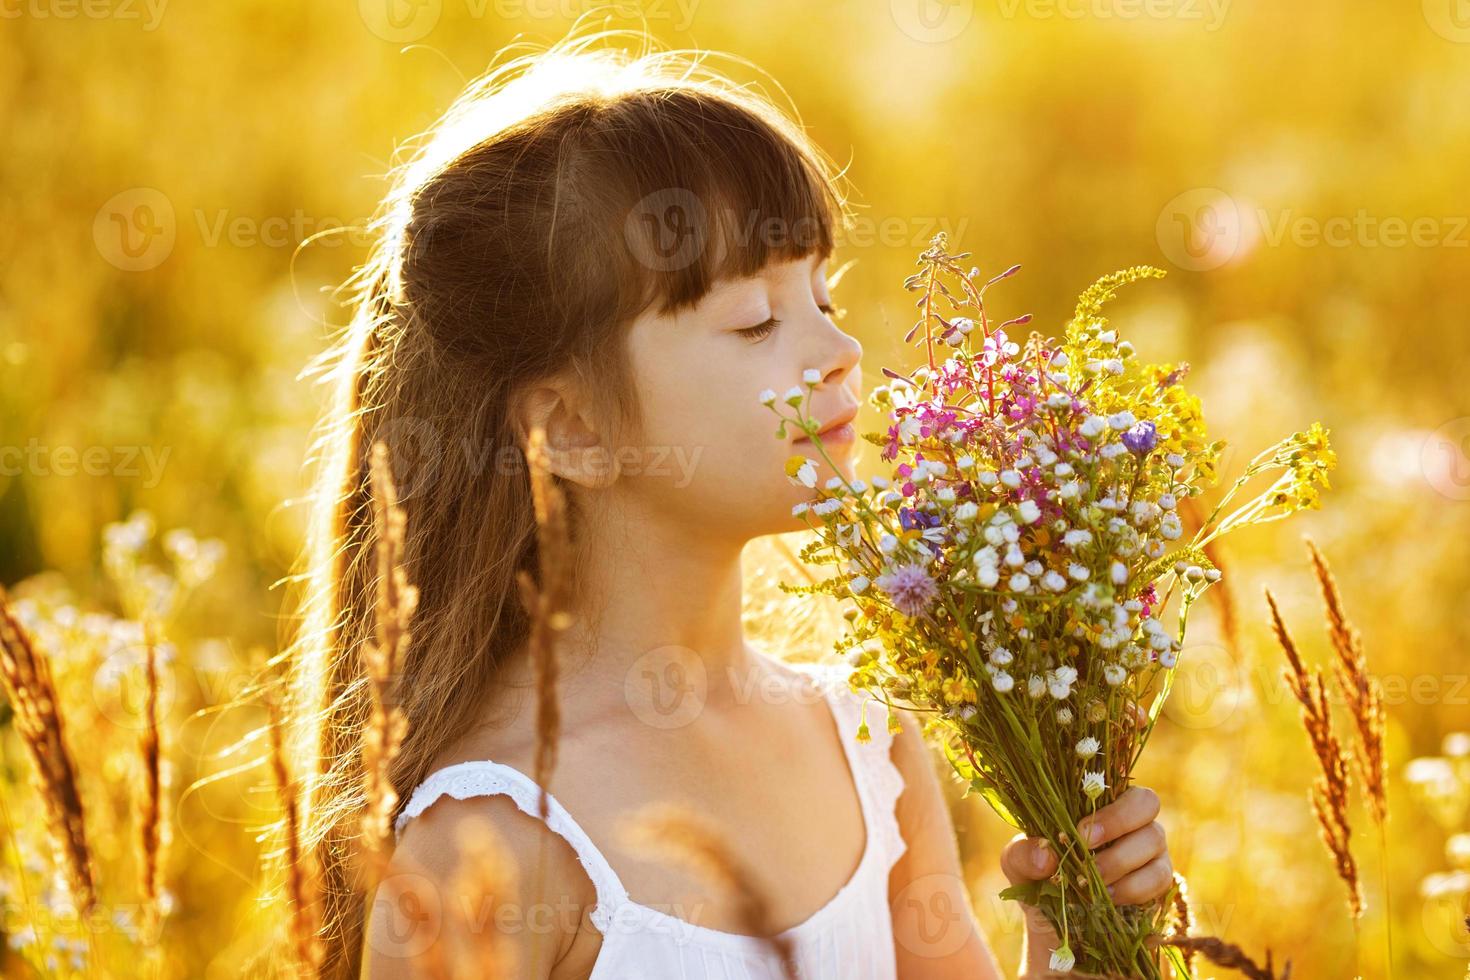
(1072, 139)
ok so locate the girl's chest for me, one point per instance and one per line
(781, 799)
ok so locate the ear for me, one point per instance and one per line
(576, 448)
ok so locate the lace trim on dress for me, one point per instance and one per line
(464, 780)
(872, 761)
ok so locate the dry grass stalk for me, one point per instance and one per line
(1364, 698)
(1363, 694)
(394, 607)
(26, 675)
(546, 603)
(151, 810)
(414, 891)
(682, 836)
(1330, 790)
(1230, 956)
(303, 884)
(486, 874)
(1183, 916)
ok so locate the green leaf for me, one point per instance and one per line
(992, 796)
(1027, 891)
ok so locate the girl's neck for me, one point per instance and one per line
(656, 599)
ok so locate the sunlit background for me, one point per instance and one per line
(1299, 169)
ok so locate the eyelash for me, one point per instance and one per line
(761, 331)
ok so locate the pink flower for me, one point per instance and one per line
(910, 587)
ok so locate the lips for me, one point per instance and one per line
(843, 418)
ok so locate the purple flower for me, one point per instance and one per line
(1141, 438)
(910, 587)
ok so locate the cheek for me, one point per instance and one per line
(710, 451)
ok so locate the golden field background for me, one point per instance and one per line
(1299, 169)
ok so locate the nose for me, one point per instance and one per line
(840, 359)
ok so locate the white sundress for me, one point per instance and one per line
(849, 938)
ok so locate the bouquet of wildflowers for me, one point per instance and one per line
(1010, 578)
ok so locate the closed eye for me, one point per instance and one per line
(760, 331)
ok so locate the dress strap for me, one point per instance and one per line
(878, 779)
(486, 778)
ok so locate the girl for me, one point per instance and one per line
(623, 252)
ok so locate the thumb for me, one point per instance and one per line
(1027, 859)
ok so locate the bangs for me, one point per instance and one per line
(719, 190)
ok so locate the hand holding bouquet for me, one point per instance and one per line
(1009, 579)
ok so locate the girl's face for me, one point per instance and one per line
(710, 453)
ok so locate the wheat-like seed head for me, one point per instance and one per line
(547, 603)
(25, 673)
(1230, 956)
(302, 880)
(1330, 790)
(394, 607)
(1361, 690)
(684, 837)
(486, 875)
(1183, 916)
(151, 809)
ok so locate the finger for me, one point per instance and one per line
(1027, 859)
(1145, 884)
(1135, 808)
(1131, 851)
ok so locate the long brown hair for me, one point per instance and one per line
(565, 192)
